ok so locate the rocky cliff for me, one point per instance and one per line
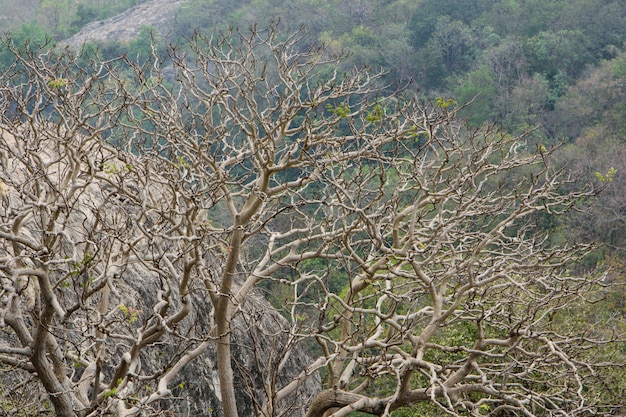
(126, 26)
(114, 305)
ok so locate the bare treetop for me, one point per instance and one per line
(145, 208)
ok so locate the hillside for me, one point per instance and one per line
(554, 68)
(411, 204)
(124, 27)
(14, 13)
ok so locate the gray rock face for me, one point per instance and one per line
(262, 347)
(126, 25)
(260, 341)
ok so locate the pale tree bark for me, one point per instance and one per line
(145, 207)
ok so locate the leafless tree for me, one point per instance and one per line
(145, 206)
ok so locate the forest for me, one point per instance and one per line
(539, 88)
(555, 68)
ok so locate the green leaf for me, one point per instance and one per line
(342, 110)
(376, 115)
(57, 83)
(444, 103)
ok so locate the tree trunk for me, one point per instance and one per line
(223, 312)
(225, 371)
(59, 395)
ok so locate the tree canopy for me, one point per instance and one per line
(150, 204)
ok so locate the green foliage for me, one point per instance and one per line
(445, 103)
(551, 52)
(111, 168)
(181, 162)
(130, 314)
(342, 110)
(59, 16)
(376, 114)
(454, 42)
(78, 266)
(478, 87)
(57, 83)
(608, 177)
(521, 63)
(110, 393)
(444, 45)
(141, 48)
(424, 20)
(30, 37)
(113, 391)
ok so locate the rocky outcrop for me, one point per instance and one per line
(139, 297)
(259, 342)
(156, 14)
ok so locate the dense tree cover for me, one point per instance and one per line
(30, 37)
(523, 64)
(59, 18)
